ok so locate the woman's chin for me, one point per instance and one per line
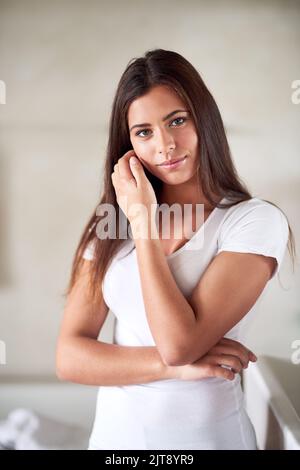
(175, 179)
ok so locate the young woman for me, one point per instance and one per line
(170, 380)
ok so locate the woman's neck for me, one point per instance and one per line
(185, 193)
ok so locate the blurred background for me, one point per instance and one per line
(61, 62)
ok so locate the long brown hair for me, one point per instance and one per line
(217, 175)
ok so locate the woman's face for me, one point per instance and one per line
(160, 139)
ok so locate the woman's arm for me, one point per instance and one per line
(91, 362)
(170, 317)
(81, 358)
(185, 330)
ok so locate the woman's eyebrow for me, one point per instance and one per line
(164, 118)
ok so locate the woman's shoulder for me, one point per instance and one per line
(255, 226)
(255, 209)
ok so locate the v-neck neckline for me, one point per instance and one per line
(196, 234)
(192, 239)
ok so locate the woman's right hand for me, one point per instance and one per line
(226, 352)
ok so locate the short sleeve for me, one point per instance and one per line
(255, 227)
(89, 251)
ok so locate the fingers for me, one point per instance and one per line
(241, 355)
(124, 167)
(227, 358)
(116, 169)
(122, 170)
(229, 361)
(224, 373)
(253, 357)
(231, 346)
(218, 371)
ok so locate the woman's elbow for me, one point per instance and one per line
(61, 372)
(175, 359)
(62, 366)
(183, 356)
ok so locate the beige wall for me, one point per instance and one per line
(61, 62)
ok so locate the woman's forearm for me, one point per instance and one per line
(91, 362)
(170, 317)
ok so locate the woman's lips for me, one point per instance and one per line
(173, 165)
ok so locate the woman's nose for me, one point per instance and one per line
(165, 142)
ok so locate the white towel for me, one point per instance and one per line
(25, 429)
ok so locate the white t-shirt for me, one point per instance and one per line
(176, 414)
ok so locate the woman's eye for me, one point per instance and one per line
(183, 119)
(139, 133)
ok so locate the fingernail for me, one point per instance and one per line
(133, 160)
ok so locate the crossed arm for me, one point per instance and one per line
(186, 329)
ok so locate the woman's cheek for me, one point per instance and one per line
(144, 158)
(136, 148)
(140, 153)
